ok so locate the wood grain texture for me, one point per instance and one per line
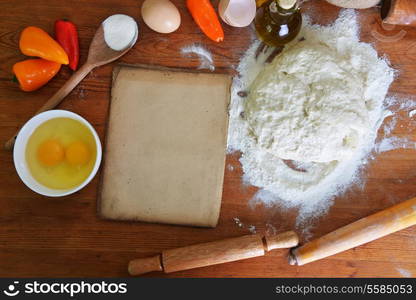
(288, 239)
(212, 253)
(399, 12)
(64, 237)
(145, 265)
(365, 230)
(98, 54)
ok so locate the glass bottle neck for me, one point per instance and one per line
(276, 8)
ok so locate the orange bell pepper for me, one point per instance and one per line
(34, 73)
(205, 16)
(36, 42)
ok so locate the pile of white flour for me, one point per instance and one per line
(318, 105)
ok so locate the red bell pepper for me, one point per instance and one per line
(67, 36)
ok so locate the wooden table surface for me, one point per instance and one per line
(41, 236)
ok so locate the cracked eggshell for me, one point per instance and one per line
(161, 15)
(237, 13)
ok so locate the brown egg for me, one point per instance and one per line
(161, 15)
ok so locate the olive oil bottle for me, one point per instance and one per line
(278, 22)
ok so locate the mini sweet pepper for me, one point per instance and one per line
(36, 42)
(67, 36)
(34, 73)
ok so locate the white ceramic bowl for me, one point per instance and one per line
(19, 152)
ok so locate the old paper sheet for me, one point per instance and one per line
(166, 144)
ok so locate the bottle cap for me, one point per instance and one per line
(286, 4)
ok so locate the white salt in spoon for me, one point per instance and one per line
(99, 53)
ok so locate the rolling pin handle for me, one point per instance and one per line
(286, 239)
(145, 265)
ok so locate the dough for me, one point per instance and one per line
(356, 93)
(308, 105)
(360, 4)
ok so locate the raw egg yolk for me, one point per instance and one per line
(77, 153)
(51, 153)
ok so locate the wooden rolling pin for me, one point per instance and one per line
(399, 12)
(212, 253)
(365, 230)
(395, 12)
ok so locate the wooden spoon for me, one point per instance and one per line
(98, 54)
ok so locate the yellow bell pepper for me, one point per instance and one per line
(36, 42)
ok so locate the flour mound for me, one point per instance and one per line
(319, 104)
(309, 105)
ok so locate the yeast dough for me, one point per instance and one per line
(309, 105)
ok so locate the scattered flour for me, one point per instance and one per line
(80, 92)
(397, 103)
(252, 229)
(397, 109)
(390, 125)
(205, 57)
(238, 222)
(405, 273)
(270, 229)
(288, 112)
(394, 142)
